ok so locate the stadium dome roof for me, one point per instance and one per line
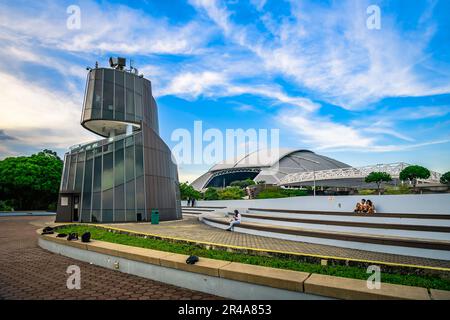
(265, 165)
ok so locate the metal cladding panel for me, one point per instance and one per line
(115, 98)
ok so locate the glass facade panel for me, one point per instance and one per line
(87, 186)
(129, 81)
(66, 172)
(90, 93)
(119, 168)
(131, 215)
(107, 216)
(85, 215)
(107, 199)
(119, 215)
(96, 201)
(96, 113)
(119, 97)
(129, 141)
(79, 175)
(98, 174)
(73, 162)
(130, 195)
(138, 104)
(129, 163)
(140, 198)
(98, 92)
(108, 94)
(138, 139)
(96, 216)
(139, 161)
(119, 197)
(130, 105)
(107, 178)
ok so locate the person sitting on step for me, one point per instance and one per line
(236, 220)
(360, 206)
(370, 207)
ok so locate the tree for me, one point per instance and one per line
(412, 173)
(445, 179)
(31, 182)
(378, 178)
(187, 191)
(242, 183)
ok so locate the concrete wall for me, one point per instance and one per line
(424, 203)
(194, 281)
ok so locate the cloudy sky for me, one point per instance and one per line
(309, 68)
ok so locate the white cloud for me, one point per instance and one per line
(110, 28)
(192, 85)
(322, 133)
(39, 118)
(339, 58)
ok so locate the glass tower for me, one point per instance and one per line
(129, 172)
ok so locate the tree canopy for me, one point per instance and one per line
(211, 194)
(242, 183)
(187, 191)
(412, 173)
(31, 182)
(378, 178)
(445, 179)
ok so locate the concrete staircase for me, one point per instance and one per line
(421, 235)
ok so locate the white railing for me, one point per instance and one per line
(393, 169)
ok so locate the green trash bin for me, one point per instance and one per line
(155, 216)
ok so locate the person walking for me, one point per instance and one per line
(236, 220)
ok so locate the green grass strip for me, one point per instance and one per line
(425, 281)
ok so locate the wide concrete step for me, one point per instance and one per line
(352, 214)
(355, 222)
(212, 208)
(197, 209)
(389, 243)
(354, 218)
(197, 213)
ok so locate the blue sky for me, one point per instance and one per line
(309, 68)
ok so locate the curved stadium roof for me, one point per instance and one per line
(265, 165)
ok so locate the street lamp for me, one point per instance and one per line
(314, 177)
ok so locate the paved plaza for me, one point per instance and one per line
(191, 229)
(29, 272)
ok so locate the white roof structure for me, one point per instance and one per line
(269, 165)
(342, 176)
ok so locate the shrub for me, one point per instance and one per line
(402, 189)
(275, 192)
(366, 192)
(211, 194)
(231, 193)
(5, 206)
(52, 207)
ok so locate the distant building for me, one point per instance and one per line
(128, 173)
(298, 168)
(268, 166)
